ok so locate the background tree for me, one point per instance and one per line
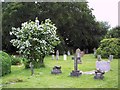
(34, 41)
(113, 33)
(77, 27)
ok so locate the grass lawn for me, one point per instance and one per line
(21, 78)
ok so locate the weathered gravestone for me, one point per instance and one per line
(75, 72)
(31, 68)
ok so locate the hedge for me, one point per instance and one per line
(5, 59)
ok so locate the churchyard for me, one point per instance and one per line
(42, 78)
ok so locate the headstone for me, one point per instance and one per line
(57, 55)
(65, 57)
(31, 68)
(86, 51)
(99, 57)
(53, 56)
(78, 56)
(94, 49)
(68, 53)
(75, 72)
(56, 70)
(103, 65)
(110, 57)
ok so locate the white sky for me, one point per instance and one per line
(105, 10)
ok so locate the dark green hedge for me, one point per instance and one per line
(108, 47)
(6, 63)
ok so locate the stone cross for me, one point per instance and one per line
(75, 64)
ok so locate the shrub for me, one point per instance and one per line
(15, 60)
(109, 47)
(6, 63)
(35, 40)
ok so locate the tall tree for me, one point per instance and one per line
(76, 24)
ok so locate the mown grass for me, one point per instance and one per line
(21, 78)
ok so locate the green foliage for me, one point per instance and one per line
(6, 63)
(34, 41)
(76, 25)
(109, 47)
(15, 60)
(113, 33)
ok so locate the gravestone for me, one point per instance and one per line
(56, 70)
(64, 57)
(102, 67)
(94, 49)
(110, 57)
(75, 72)
(31, 68)
(53, 56)
(68, 53)
(78, 56)
(57, 55)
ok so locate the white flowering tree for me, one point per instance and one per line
(35, 40)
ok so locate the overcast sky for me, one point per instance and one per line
(105, 10)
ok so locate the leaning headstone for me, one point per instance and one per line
(56, 70)
(31, 68)
(110, 57)
(57, 55)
